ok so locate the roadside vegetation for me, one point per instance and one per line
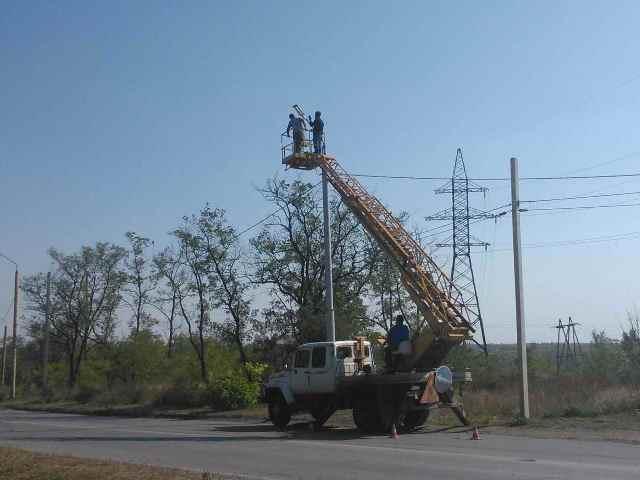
(24, 465)
(603, 379)
(195, 321)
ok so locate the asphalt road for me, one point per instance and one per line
(256, 450)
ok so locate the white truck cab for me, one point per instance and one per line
(315, 368)
(313, 374)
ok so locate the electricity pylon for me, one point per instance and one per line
(570, 348)
(461, 239)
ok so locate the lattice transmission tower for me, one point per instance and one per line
(567, 350)
(461, 214)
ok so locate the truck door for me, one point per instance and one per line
(301, 375)
(322, 371)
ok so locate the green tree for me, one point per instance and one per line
(140, 282)
(229, 285)
(171, 278)
(85, 294)
(194, 300)
(289, 261)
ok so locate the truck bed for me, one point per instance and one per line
(397, 378)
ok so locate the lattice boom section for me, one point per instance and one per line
(427, 284)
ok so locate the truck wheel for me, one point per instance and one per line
(415, 419)
(366, 417)
(279, 411)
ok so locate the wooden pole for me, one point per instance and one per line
(4, 357)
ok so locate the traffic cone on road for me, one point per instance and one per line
(476, 433)
(394, 432)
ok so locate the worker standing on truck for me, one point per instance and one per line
(297, 125)
(397, 334)
(318, 132)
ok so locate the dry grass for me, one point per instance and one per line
(564, 397)
(23, 465)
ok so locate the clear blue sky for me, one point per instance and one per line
(124, 116)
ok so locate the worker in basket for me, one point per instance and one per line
(398, 343)
(297, 125)
(318, 132)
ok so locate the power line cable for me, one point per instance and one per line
(583, 207)
(580, 197)
(573, 242)
(264, 219)
(9, 259)
(502, 179)
(602, 164)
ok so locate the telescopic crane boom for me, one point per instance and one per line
(433, 292)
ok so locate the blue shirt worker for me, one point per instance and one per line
(398, 333)
(297, 125)
(318, 132)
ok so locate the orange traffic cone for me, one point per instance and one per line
(476, 433)
(394, 432)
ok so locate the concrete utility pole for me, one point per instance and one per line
(4, 357)
(328, 270)
(517, 270)
(45, 347)
(15, 335)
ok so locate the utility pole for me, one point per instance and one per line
(4, 356)
(328, 268)
(15, 335)
(45, 347)
(517, 270)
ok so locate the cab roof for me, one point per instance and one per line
(337, 343)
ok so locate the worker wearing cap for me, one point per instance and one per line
(318, 132)
(297, 125)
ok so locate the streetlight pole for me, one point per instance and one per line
(328, 265)
(45, 347)
(15, 334)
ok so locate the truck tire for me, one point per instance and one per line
(366, 417)
(279, 411)
(415, 419)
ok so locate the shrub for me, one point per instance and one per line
(236, 390)
(183, 396)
